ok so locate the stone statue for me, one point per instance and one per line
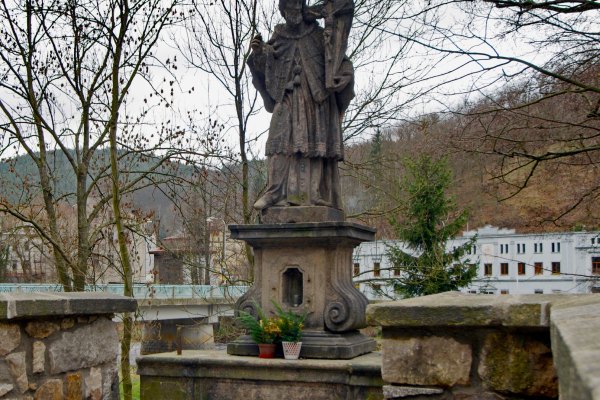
(303, 246)
(307, 83)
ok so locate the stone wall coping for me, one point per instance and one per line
(460, 309)
(218, 364)
(45, 304)
(575, 330)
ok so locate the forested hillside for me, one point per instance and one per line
(521, 158)
(371, 176)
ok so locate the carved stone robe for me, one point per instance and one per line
(305, 137)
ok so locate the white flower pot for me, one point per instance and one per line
(291, 350)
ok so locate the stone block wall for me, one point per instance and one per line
(467, 347)
(59, 345)
(216, 375)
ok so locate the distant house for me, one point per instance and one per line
(170, 258)
(508, 262)
(183, 259)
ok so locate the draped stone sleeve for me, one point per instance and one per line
(345, 94)
(257, 65)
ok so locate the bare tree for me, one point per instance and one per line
(218, 44)
(381, 70)
(60, 102)
(67, 73)
(520, 80)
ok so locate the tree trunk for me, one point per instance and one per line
(116, 202)
(41, 161)
(83, 231)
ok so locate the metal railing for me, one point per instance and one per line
(140, 291)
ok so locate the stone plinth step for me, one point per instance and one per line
(316, 344)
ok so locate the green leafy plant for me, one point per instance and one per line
(290, 324)
(262, 330)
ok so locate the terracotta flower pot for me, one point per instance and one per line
(291, 350)
(266, 350)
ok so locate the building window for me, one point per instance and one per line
(593, 241)
(474, 249)
(396, 271)
(596, 265)
(538, 291)
(556, 267)
(376, 269)
(538, 268)
(504, 291)
(521, 268)
(538, 248)
(520, 248)
(504, 249)
(556, 247)
(376, 288)
(503, 268)
(472, 291)
(356, 269)
(487, 269)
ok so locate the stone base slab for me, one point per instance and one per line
(212, 374)
(290, 215)
(317, 344)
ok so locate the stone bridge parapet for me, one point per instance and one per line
(463, 346)
(60, 345)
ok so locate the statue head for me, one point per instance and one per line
(292, 11)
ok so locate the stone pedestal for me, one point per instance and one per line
(307, 267)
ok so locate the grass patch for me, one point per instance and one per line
(135, 387)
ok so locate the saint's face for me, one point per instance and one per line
(292, 13)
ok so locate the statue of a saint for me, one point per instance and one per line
(307, 82)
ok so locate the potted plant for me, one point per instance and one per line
(263, 331)
(290, 326)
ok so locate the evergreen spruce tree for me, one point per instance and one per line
(430, 219)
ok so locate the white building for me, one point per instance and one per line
(508, 262)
